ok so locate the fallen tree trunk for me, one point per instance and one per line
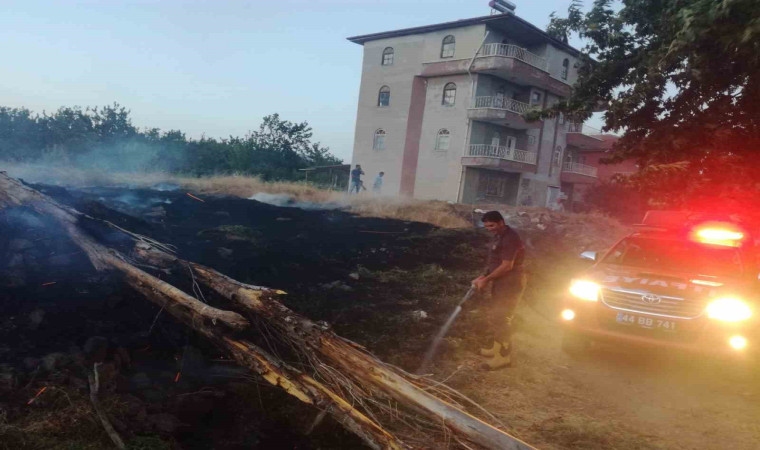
(348, 356)
(341, 362)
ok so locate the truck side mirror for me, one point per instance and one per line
(589, 256)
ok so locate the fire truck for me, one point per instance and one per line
(680, 280)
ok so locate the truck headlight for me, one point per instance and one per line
(585, 290)
(728, 309)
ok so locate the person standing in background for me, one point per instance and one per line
(356, 179)
(378, 186)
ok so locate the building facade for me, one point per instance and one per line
(582, 167)
(441, 111)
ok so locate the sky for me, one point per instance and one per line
(213, 68)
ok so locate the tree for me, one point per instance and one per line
(105, 138)
(681, 80)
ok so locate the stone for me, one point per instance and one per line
(354, 275)
(419, 315)
(224, 252)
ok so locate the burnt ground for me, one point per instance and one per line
(364, 276)
(386, 284)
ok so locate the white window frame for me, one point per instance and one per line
(390, 53)
(379, 97)
(443, 145)
(378, 139)
(447, 88)
(448, 48)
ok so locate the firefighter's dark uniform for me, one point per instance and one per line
(506, 293)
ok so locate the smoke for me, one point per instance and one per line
(284, 200)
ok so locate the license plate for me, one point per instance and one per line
(646, 322)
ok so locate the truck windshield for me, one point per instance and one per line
(680, 256)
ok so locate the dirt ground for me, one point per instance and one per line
(388, 285)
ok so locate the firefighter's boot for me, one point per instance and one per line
(502, 358)
(489, 351)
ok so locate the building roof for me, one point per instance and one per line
(503, 21)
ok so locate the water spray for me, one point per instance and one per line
(444, 329)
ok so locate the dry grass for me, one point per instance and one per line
(441, 214)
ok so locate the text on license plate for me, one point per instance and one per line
(646, 322)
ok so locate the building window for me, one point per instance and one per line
(378, 143)
(449, 94)
(561, 119)
(447, 47)
(535, 98)
(442, 140)
(388, 56)
(384, 97)
(493, 185)
(565, 68)
(531, 140)
(557, 156)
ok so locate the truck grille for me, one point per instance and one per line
(681, 308)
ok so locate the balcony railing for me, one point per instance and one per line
(513, 51)
(582, 128)
(579, 168)
(499, 151)
(502, 103)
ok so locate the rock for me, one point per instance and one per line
(353, 275)
(164, 423)
(224, 252)
(96, 348)
(35, 318)
(541, 226)
(283, 219)
(419, 315)
(222, 213)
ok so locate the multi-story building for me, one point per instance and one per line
(582, 167)
(441, 111)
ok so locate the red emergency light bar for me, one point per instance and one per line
(717, 233)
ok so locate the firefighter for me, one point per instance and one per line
(505, 276)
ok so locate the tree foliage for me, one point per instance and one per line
(681, 80)
(105, 138)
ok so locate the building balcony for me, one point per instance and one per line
(498, 157)
(578, 173)
(518, 65)
(516, 52)
(502, 111)
(509, 62)
(584, 137)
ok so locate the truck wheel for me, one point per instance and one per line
(574, 344)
